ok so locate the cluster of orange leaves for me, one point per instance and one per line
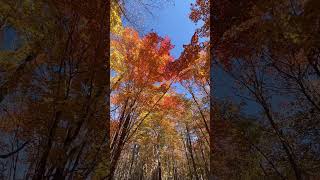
(144, 58)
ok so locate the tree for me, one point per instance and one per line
(63, 77)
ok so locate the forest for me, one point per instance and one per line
(87, 92)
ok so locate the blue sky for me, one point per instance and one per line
(173, 21)
(9, 39)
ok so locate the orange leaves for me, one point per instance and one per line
(144, 59)
(198, 70)
(172, 103)
(169, 102)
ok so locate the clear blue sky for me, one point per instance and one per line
(173, 21)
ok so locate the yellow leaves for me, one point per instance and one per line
(243, 27)
(203, 65)
(122, 50)
(116, 62)
(143, 114)
(34, 20)
(10, 59)
(199, 70)
(293, 36)
(115, 19)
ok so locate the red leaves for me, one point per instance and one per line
(170, 102)
(165, 47)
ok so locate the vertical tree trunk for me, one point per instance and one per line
(188, 161)
(118, 148)
(40, 171)
(132, 161)
(189, 145)
(284, 143)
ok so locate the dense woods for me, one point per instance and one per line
(53, 87)
(84, 96)
(268, 51)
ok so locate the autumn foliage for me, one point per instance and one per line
(84, 95)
